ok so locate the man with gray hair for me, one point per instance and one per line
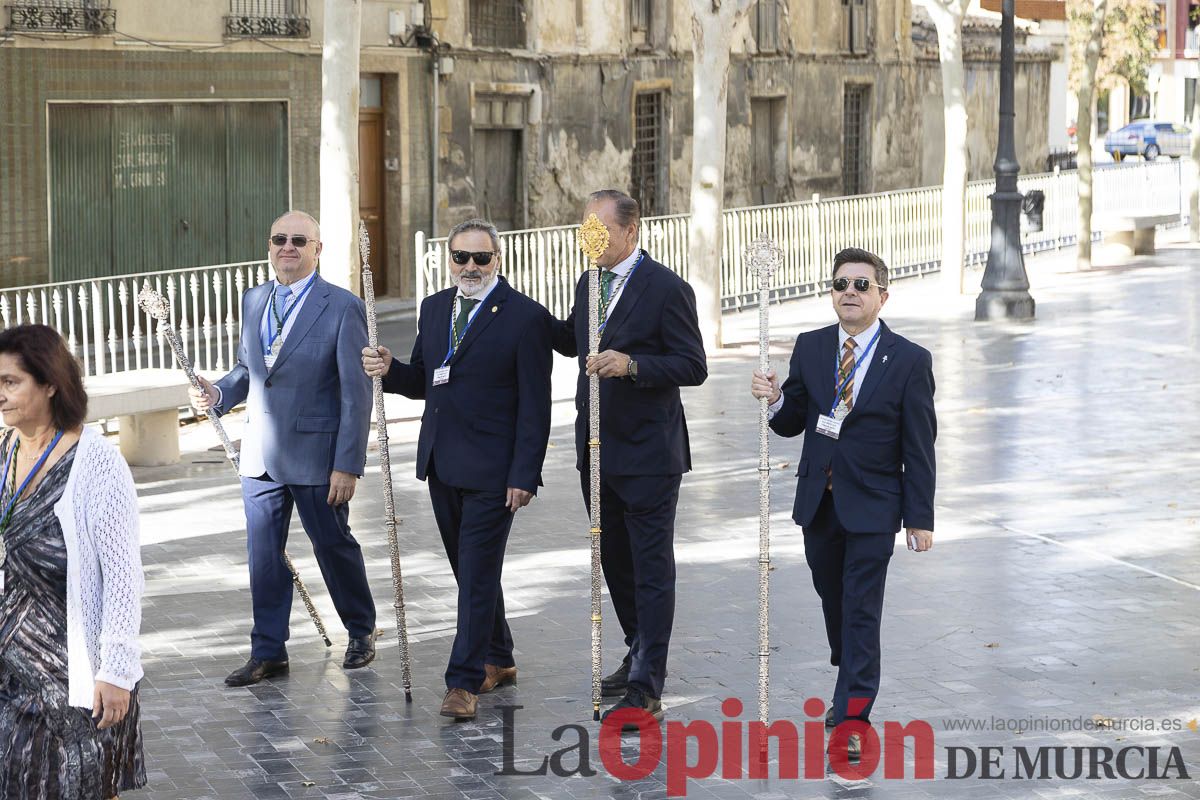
(482, 364)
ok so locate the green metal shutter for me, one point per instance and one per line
(157, 186)
(257, 176)
(80, 192)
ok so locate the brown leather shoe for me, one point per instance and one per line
(460, 704)
(495, 677)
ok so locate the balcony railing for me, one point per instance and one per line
(267, 18)
(65, 16)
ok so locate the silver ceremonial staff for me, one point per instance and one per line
(385, 464)
(764, 257)
(158, 307)
(593, 241)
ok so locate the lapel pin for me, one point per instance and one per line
(885, 359)
(495, 309)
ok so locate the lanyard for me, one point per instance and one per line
(25, 484)
(616, 290)
(279, 323)
(841, 387)
(452, 340)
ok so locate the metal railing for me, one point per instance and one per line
(904, 227)
(267, 18)
(62, 16)
(104, 326)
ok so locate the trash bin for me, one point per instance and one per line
(1032, 207)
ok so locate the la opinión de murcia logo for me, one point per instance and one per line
(737, 749)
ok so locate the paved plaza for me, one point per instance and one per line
(1064, 583)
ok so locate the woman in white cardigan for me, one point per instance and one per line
(71, 605)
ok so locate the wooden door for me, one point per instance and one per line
(371, 191)
(498, 177)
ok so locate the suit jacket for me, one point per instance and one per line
(487, 428)
(309, 414)
(642, 426)
(883, 461)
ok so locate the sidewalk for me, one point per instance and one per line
(1064, 582)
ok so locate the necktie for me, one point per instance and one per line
(606, 282)
(465, 304)
(847, 369)
(278, 309)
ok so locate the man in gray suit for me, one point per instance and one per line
(304, 445)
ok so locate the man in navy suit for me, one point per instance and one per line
(650, 346)
(482, 364)
(863, 398)
(304, 444)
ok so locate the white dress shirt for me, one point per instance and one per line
(622, 271)
(861, 340)
(294, 301)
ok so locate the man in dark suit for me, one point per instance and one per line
(863, 398)
(482, 363)
(650, 346)
(304, 444)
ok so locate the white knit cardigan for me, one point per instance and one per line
(98, 513)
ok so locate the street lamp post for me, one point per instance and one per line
(1005, 292)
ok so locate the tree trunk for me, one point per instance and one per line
(948, 18)
(713, 26)
(1194, 172)
(339, 143)
(1083, 132)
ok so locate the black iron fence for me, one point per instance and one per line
(267, 18)
(62, 16)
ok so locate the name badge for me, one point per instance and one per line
(829, 426)
(441, 375)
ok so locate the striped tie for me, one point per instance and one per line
(847, 369)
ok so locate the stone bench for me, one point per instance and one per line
(1133, 232)
(146, 403)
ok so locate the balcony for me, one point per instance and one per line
(255, 19)
(63, 16)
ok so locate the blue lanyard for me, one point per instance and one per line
(274, 332)
(841, 387)
(616, 291)
(453, 343)
(25, 484)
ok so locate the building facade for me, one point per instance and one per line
(143, 135)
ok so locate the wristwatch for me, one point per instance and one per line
(631, 368)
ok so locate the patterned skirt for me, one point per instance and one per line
(55, 752)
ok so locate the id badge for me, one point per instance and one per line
(829, 426)
(441, 375)
(269, 360)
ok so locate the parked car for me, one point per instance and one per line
(1150, 139)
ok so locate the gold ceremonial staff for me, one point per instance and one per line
(385, 464)
(764, 258)
(158, 307)
(593, 241)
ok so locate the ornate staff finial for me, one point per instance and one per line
(154, 303)
(593, 238)
(364, 244)
(763, 256)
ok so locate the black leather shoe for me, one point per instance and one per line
(615, 685)
(359, 652)
(254, 671)
(853, 748)
(829, 718)
(636, 698)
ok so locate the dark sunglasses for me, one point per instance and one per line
(860, 284)
(298, 241)
(481, 258)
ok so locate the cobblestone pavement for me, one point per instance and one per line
(1064, 583)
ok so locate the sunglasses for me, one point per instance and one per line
(860, 284)
(481, 257)
(299, 241)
